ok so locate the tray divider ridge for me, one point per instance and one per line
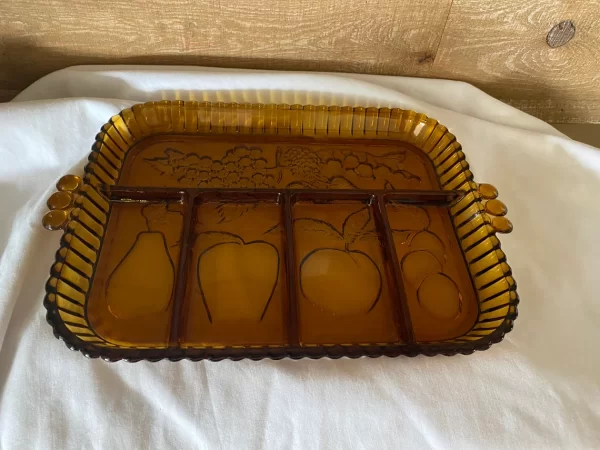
(401, 311)
(290, 268)
(185, 249)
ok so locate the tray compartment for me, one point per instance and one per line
(236, 285)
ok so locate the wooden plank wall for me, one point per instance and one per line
(500, 46)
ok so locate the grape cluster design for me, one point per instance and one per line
(241, 167)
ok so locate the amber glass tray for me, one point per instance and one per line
(211, 231)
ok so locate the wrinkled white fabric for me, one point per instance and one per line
(539, 388)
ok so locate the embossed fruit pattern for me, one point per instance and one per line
(236, 279)
(142, 281)
(423, 262)
(338, 278)
(241, 167)
(285, 167)
(237, 276)
(339, 169)
(294, 166)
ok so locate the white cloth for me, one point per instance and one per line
(539, 388)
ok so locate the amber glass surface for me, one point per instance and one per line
(211, 231)
(132, 295)
(271, 162)
(343, 290)
(439, 291)
(236, 286)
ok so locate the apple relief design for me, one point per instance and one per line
(340, 278)
(237, 279)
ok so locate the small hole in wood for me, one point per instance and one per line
(560, 34)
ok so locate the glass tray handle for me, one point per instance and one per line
(61, 203)
(495, 210)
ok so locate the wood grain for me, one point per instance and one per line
(499, 46)
(375, 36)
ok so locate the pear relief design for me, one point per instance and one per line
(142, 282)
